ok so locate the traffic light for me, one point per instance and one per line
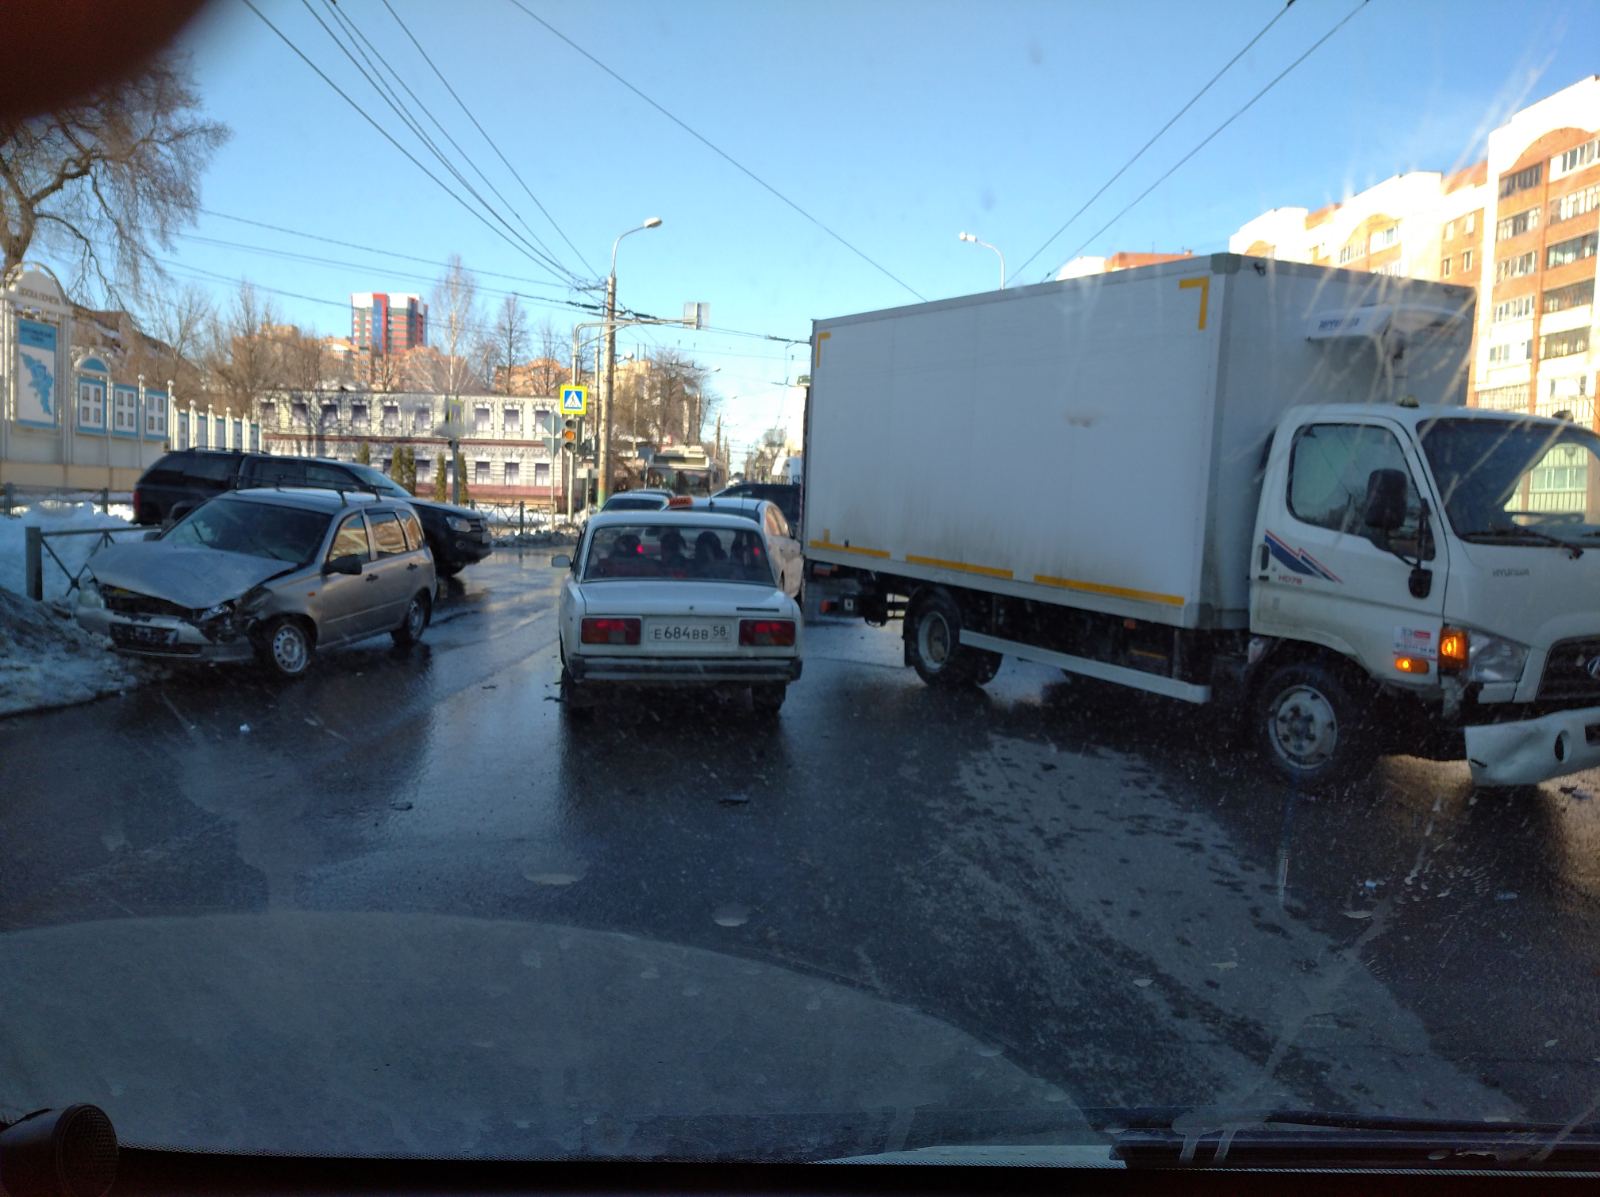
(569, 436)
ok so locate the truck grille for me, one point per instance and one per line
(1566, 669)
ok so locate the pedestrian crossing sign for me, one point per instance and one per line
(574, 401)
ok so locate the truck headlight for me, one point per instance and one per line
(456, 524)
(1494, 658)
(89, 594)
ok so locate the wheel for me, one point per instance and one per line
(1309, 724)
(418, 612)
(933, 643)
(768, 698)
(575, 704)
(285, 647)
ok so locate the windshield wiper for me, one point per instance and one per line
(1306, 1139)
(1492, 535)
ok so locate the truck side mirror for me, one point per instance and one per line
(1386, 499)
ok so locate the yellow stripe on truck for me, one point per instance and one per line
(849, 548)
(987, 571)
(1144, 596)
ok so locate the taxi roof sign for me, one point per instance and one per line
(574, 400)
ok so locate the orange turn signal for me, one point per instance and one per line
(1452, 649)
(1411, 664)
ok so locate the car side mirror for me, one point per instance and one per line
(1386, 499)
(348, 564)
(561, 561)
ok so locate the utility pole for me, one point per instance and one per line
(611, 369)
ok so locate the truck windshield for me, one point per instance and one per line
(1515, 482)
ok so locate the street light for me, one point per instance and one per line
(653, 222)
(986, 245)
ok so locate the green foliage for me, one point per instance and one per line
(364, 453)
(440, 493)
(461, 473)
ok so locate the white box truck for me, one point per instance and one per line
(1220, 479)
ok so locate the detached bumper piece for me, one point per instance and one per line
(1534, 750)
(656, 671)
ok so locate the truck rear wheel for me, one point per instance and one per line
(933, 645)
(1308, 725)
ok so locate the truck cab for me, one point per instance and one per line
(1444, 553)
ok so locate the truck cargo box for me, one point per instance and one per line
(1097, 442)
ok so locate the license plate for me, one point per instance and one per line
(141, 636)
(688, 632)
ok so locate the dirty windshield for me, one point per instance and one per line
(259, 529)
(999, 578)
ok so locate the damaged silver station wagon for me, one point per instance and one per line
(272, 575)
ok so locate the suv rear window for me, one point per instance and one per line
(210, 467)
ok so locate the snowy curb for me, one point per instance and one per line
(48, 661)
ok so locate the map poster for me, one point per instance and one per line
(36, 373)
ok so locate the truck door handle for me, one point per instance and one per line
(1263, 552)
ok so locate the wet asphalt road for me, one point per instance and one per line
(1092, 882)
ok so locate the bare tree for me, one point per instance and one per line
(506, 346)
(243, 357)
(118, 169)
(178, 320)
(552, 366)
(453, 316)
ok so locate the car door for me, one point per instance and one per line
(786, 549)
(345, 604)
(394, 566)
(1321, 574)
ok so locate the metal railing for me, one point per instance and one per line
(37, 550)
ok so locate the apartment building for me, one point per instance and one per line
(385, 323)
(1521, 226)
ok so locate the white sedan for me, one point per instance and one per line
(675, 598)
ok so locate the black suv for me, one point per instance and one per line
(786, 496)
(181, 481)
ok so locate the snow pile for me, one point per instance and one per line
(47, 660)
(73, 550)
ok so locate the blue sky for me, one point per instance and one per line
(896, 125)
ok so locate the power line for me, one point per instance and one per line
(443, 186)
(1139, 153)
(1247, 106)
(388, 95)
(390, 253)
(721, 153)
(490, 140)
(348, 22)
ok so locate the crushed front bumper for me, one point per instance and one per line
(162, 636)
(1533, 750)
(672, 671)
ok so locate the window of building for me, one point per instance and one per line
(1576, 249)
(1449, 229)
(1383, 238)
(1444, 268)
(1570, 386)
(1328, 472)
(269, 412)
(1349, 253)
(1512, 398)
(299, 412)
(1472, 223)
(125, 411)
(1576, 204)
(1576, 158)
(1521, 180)
(330, 413)
(1574, 296)
(1510, 352)
(391, 417)
(358, 414)
(544, 422)
(1516, 225)
(1466, 260)
(513, 473)
(541, 473)
(481, 419)
(155, 413)
(480, 471)
(419, 419)
(1515, 267)
(1391, 268)
(1564, 344)
(424, 469)
(511, 419)
(1520, 308)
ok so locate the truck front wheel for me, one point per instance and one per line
(934, 648)
(1308, 725)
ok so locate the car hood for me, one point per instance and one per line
(466, 513)
(183, 574)
(624, 597)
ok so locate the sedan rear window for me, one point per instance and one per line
(678, 552)
(258, 529)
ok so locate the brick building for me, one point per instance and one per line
(384, 323)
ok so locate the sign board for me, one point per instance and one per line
(697, 315)
(574, 401)
(36, 373)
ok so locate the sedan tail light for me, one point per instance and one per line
(610, 631)
(766, 633)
